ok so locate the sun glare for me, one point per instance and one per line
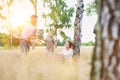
(20, 13)
(18, 18)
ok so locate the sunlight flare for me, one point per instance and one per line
(18, 18)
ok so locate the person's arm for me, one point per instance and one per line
(32, 37)
(33, 34)
(60, 54)
(46, 39)
(55, 43)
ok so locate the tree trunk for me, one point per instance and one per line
(9, 2)
(35, 7)
(77, 28)
(106, 58)
(34, 3)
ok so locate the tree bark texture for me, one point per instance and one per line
(106, 58)
(77, 27)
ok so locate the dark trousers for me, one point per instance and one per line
(25, 45)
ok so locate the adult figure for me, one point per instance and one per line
(28, 33)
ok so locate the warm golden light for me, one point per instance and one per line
(18, 21)
(20, 13)
(18, 18)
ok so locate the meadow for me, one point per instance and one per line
(37, 65)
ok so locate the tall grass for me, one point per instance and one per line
(37, 65)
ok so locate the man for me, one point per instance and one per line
(29, 32)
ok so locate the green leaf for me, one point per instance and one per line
(60, 15)
(91, 8)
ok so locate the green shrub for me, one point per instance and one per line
(90, 43)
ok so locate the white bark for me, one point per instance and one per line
(77, 27)
(109, 38)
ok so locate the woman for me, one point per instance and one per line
(67, 53)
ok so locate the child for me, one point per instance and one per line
(50, 42)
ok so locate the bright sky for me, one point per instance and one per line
(87, 24)
(22, 12)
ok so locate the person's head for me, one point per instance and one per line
(34, 19)
(50, 34)
(68, 44)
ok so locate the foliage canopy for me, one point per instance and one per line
(58, 17)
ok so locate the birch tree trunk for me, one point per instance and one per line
(77, 27)
(34, 3)
(106, 58)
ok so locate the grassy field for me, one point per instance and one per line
(37, 65)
